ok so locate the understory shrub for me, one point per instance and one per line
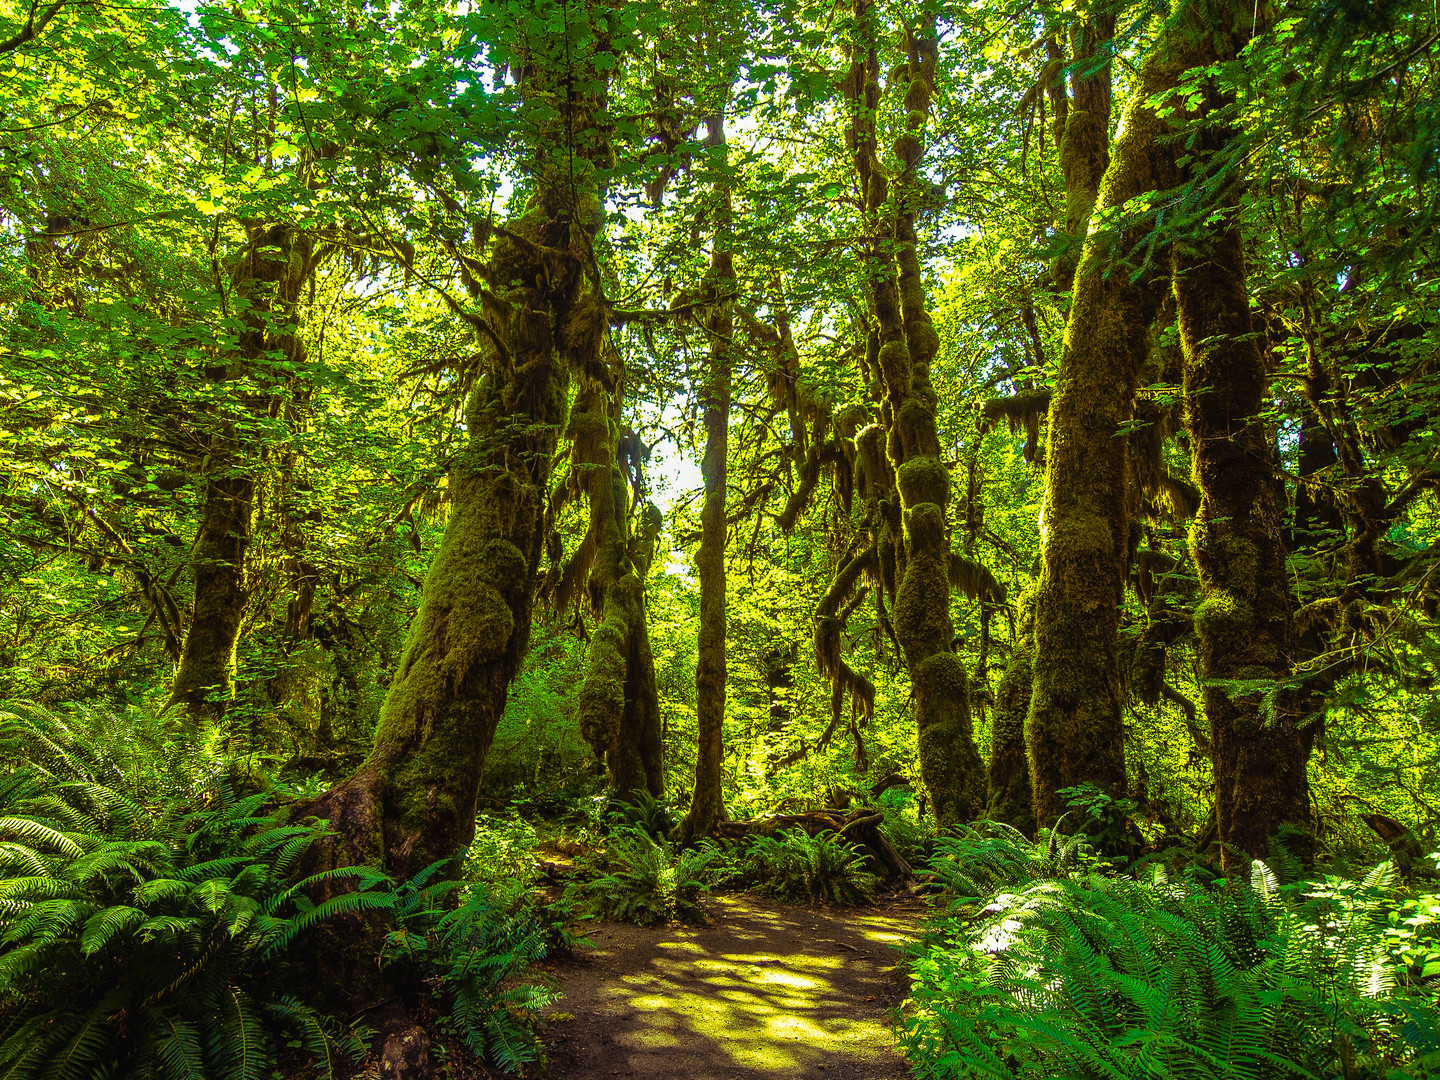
(475, 950)
(1043, 968)
(822, 868)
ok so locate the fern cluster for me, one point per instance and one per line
(147, 939)
(1045, 970)
(823, 868)
(147, 916)
(475, 949)
(645, 880)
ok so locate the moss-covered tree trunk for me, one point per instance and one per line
(1074, 732)
(1010, 799)
(1245, 616)
(265, 286)
(707, 805)
(909, 490)
(541, 315)
(618, 703)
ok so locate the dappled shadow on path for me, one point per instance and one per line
(769, 991)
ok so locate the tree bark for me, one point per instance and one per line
(618, 704)
(267, 281)
(707, 806)
(1074, 732)
(1245, 616)
(899, 469)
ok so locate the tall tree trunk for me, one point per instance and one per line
(707, 806)
(906, 482)
(266, 283)
(1074, 732)
(1244, 619)
(619, 706)
(412, 802)
(1010, 800)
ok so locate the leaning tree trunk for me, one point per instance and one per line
(707, 806)
(275, 266)
(1074, 732)
(412, 802)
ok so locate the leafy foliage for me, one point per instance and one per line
(822, 869)
(152, 937)
(647, 881)
(1088, 975)
(475, 949)
(147, 925)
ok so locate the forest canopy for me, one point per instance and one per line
(1011, 413)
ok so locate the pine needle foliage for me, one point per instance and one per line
(1084, 974)
(823, 868)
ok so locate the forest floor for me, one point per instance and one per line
(768, 991)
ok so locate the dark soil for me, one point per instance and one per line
(768, 991)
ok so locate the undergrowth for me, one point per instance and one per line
(645, 880)
(823, 868)
(1046, 963)
(149, 910)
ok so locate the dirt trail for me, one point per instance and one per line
(769, 991)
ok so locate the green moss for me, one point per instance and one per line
(950, 766)
(914, 120)
(879, 189)
(894, 362)
(922, 603)
(1224, 622)
(917, 95)
(1009, 778)
(923, 480)
(915, 426)
(908, 148)
(602, 695)
(924, 341)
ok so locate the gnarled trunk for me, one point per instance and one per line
(413, 800)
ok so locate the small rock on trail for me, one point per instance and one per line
(769, 991)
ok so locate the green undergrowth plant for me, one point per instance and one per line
(1049, 970)
(645, 812)
(644, 880)
(149, 924)
(150, 939)
(476, 949)
(822, 869)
